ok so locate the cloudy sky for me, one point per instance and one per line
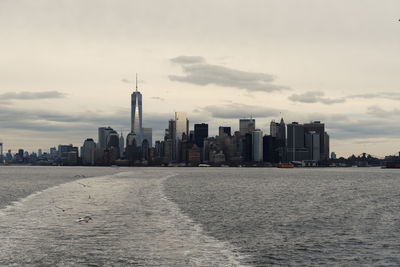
(68, 67)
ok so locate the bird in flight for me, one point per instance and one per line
(85, 219)
(63, 208)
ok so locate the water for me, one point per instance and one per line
(199, 216)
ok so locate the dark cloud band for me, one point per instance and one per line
(198, 72)
(31, 95)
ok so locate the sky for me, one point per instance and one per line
(68, 67)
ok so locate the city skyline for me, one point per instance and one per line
(67, 72)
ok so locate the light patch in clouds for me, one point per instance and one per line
(315, 97)
(31, 95)
(198, 72)
(237, 111)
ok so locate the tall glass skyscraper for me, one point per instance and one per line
(136, 114)
(181, 126)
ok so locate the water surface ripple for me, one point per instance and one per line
(299, 216)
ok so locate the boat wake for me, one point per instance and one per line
(122, 219)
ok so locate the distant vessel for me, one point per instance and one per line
(204, 165)
(392, 165)
(285, 165)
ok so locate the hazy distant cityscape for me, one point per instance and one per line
(302, 144)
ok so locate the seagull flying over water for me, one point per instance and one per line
(63, 208)
(84, 185)
(85, 219)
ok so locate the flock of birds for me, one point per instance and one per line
(85, 219)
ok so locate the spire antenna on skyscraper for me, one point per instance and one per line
(136, 82)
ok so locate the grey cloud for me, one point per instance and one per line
(126, 81)
(383, 95)
(315, 97)
(381, 113)
(157, 98)
(319, 97)
(140, 81)
(188, 60)
(31, 95)
(204, 74)
(236, 111)
(354, 129)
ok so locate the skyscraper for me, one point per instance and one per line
(224, 131)
(318, 127)
(147, 134)
(121, 145)
(136, 114)
(200, 133)
(312, 144)
(88, 152)
(278, 130)
(326, 146)
(295, 142)
(246, 126)
(257, 142)
(104, 132)
(181, 123)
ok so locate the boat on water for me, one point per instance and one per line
(392, 165)
(204, 165)
(285, 165)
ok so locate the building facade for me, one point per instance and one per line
(257, 141)
(200, 133)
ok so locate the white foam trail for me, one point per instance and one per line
(21, 201)
(133, 223)
(230, 252)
